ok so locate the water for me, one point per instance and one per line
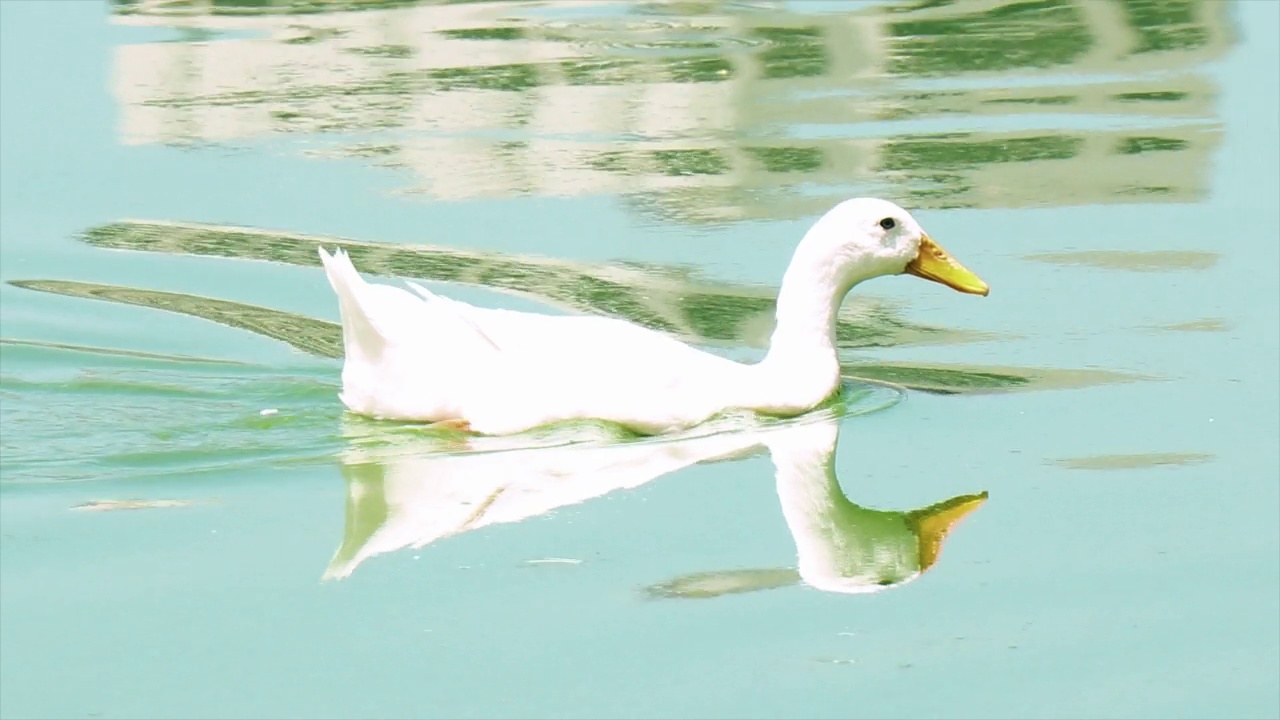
(1066, 508)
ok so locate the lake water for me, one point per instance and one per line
(1062, 500)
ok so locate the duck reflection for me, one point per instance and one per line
(840, 546)
(410, 494)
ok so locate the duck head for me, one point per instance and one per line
(869, 237)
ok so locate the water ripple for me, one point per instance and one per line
(173, 417)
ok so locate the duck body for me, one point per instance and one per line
(423, 357)
(413, 355)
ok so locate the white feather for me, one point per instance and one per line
(424, 357)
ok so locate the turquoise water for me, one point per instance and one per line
(1064, 503)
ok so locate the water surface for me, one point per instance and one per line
(1057, 501)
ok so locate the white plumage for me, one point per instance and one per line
(416, 355)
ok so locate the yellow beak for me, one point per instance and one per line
(934, 522)
(933, 263)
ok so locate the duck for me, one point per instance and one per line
(413, 355)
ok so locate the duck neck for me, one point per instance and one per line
(814, 286)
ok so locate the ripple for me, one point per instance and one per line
(75, 413)
(78, 413)
(390, 438)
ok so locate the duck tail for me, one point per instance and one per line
(361, 336)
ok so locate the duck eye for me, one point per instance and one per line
(887, 223)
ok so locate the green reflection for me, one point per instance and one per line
(979, 380)
(309, 335)
(1133, 462)
(908, 7)
(255, 7)
(703, 161)
(324, 339)
(512, 78)
(716, 315)
(794, 52)
(699, 69)
(1135, 260)
(599, 71)
(684, 8)
(131, 354)
(397, 52)
(1036, 34)
(944, 380)
(691, 162)
(619, 161)
(1166, 24)
(655, 297)
(697, 82)
(788, 159)
(957, 153)
(488, 33)
(1138, 145)
(1038, 100)
(704, 585)
(1153, 96)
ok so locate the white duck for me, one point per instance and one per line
(423, 357)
